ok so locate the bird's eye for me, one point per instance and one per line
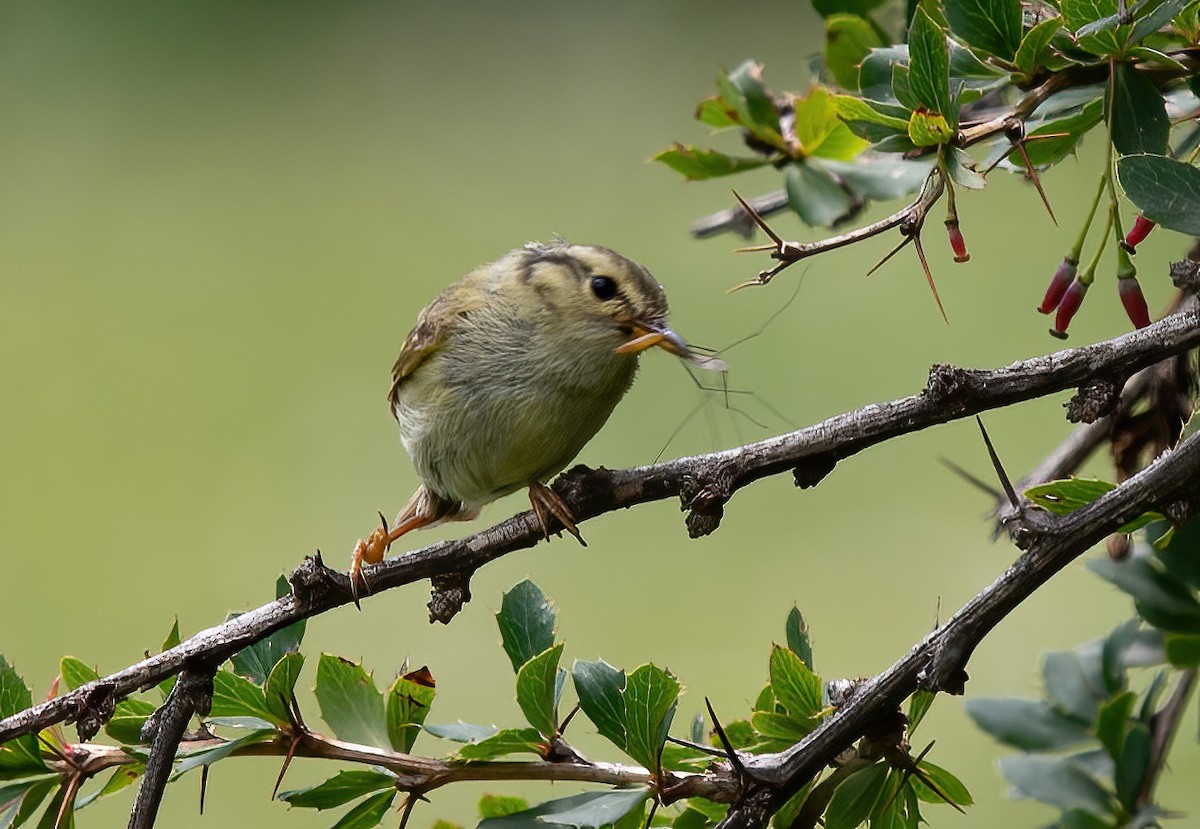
(604, 287)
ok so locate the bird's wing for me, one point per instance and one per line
(435, 325)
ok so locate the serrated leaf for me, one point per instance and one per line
(848, 40)
(208, 756)
(928, 129)
(743, 91)
(994, 26)
(591, 809)
(820, 131)
(1154, 19)
(962, 169)
(650, 697)
(881, 178)
(1031, 725)
(461, 732)
(1095, 26)
(1054, 139)
(339, 789)
(368, 813)
(75, 672)
(794, 685)
(698, 163)
(1112, 720)
(798, 640)
(350, 703)
(527, 620)
(236, 696)
(408, 703)
(1058, 781)
(817, 198)
(713, 111)
(537, 682)
(781, 726)
(851, 108)
(255, 661)
(496, 805)
(1035, 45)
(855, 799)
(1165, 190)
(598, 686)
(929, 67)
(504, 742)
(1066, 496)
(1139, 113)
(125, 725)
(1159, 599)
(281, 684)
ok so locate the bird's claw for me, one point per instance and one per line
(371, 551)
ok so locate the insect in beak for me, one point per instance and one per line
(648, 336)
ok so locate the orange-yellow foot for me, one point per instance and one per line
(545, 504)
(370, 551)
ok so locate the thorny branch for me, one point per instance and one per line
(704, 483)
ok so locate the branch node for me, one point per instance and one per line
(705, 504)
(95, 710)
(812, 470)
(313, 581)
(950, 383)
(448, 593)
(1186, 275)
(946, 673)
(1095, 399)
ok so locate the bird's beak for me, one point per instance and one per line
(648, 335)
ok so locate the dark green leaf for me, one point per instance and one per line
(527, 618)
(75, 673)
(962, 169)
(255, 661)
(497, 805)
(235, 696)
(1066, 496)
(797, 637)
(1183, 651)
(993, 26)
(1159, 599)
(14, 693)
(744, 91)
(591, 809)
(1079, 819)
(507, 741)
(929, 66)
(848, 40)
(339, 789)
(684, 758)
(122, 778)
(1026, 724)
(408, 703)
(50, 817)
(537, 684)
(739, 733)
(172, 639)
(650, 697)
(125, 725)
(1181, 554)
(876, 72)
(1166, 190)
(1035, 45)
(856, 798)
(1095, 25)
(368, 813)
(1140, 123)
(781, 726)
(1157, 17)
(281, 684)
(461, 732)
(1113, 655)
(350, 702)
(18, 801)
(942, 785)
(1058, 781)
(817, 198)
(918, 706)
(1069, 687)
(697, 163)
(599, 686)
(1112, 721)
(1132, 765)
(794, 685)
(208, 756)
(882, 178)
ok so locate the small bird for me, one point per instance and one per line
(509, 372)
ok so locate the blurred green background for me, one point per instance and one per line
(217, 223)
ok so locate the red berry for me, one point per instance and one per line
(957, 243)
(1058, 285)
(1071, 301)
(1140, 230)
(1134, 301)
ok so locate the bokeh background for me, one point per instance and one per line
(217, 222)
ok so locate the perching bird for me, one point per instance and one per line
(509, 372)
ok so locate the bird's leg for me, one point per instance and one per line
(545, 504)
(372, 551)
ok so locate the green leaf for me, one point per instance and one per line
(745, 93)
(461, 732)
(497, 805)
(993, 26)
(929, 67)
(1066, 496)
(1030, 725)
(280, 686)
(962, 168)
(1068, 686)
(1160, 600)
(881, 178)
(235, 696)
(855, 799)
(125, 725)
(1132, 765)
(918, 706)
(255, 661)
(1035, 45)
(368, 813)
(537, 684)
(504, 742)
(817, 198)
(1166, 190)
(527, 619)
(797, 637)
(781, 726)
(75, 673)
(713, 111)
(350, 702)
(1066, 132)
(50, 818)
(339, 789)
(208, 756)
(650, 697)
(1095, 25)
(122, 778)
(928, 129)
(172, 639)
(1181, 553)
(598, 686)
(820, 132)
(794, 685)
(591, 809)
(848, 40)
(1183, 651)
(1058, 781)
(18, 801)
(408, 702)
(851, 109)
(1158, 16)
(698, 164)
(942, 786)
(1112, 721)
(1140, 123)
